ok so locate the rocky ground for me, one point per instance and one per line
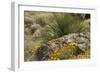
(71, 46)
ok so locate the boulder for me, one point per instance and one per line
(66, 46)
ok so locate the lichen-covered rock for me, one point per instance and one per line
(64, 47)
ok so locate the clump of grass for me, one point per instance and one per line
(67, 23)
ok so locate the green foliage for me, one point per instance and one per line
(60, 24)
(66, 23)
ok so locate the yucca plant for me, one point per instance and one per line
(66, 23)
(60, 24)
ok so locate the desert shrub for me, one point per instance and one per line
(28, 44)
(66, 23)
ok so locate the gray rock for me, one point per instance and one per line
(82, 39)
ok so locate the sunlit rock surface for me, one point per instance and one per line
(65, 47)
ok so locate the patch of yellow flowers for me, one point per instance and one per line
(67, 50)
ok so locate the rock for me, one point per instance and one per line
(77, 42)
(43, 52)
